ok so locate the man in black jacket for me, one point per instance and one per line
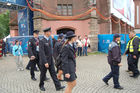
(114, 59)
(133, 50)
(33, 53)
(3, 48)
(57, 49)
(46, 59)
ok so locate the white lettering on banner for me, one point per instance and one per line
(122, 42)
(108, 41)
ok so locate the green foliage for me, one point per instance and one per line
(4, 24)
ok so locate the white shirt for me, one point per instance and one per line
(79, 43)
(84, 42)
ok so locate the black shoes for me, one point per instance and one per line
(61, 80)
(134, 76)
(28, 68)
(119, 87)
(47, 79)
(33, 78)
(60, 88)
(42, 88)
(105, 82)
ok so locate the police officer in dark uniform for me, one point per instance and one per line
(133, 50)
(69, 62)
(33, 53)
(46, 60)
(57, 49)
(114, 59)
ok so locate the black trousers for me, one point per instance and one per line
(3, 52)
(129, 65)
(133, 64)
(33, 64)
(79, 53)
(115, 74)
(52, 73)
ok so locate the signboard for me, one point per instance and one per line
(15, 2)
(23, 22)
(124, 10)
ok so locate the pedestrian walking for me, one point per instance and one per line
(133, 50)
(3, 48)
(86, 44)
(57, 51)
(46, 60)
(18, 53)
(0, 48)
(33, 53)
(69, 62)
(114, 59)
(79, 45)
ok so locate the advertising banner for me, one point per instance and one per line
(106, 39)
(15, 2)
(124, 10)
(23, 22)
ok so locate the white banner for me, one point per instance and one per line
(124, 10)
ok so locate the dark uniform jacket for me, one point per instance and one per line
(46, 51)
(135, 46)
(32, 45)
(68, 59)
(114, 53)
(57, 48)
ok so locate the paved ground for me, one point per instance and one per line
(90, 71)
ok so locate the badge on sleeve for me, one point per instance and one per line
(29, 43)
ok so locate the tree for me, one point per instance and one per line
(4, 24)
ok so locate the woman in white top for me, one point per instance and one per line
(79, 45)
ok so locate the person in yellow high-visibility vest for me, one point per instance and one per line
(133, 49)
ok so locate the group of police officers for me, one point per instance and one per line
(114, 58)
(41, 53)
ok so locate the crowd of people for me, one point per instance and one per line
(48, 53)
(82, 45)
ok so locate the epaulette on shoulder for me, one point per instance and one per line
(112, 45)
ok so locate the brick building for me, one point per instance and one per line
(90, 25)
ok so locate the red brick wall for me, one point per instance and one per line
(137, 3)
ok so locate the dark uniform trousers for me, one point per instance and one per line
(133, 64)
(52, 73)
(115, 74)
(33, 65)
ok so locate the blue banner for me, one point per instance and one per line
(15, 2)
(23, 22)
(106, 39)
(23, 42)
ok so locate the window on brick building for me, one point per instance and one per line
(59, 9)
(64, 9)
(137, 14)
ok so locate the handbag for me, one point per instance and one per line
(58, 58)
(17, 49)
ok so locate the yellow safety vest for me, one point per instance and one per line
(130, 45)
